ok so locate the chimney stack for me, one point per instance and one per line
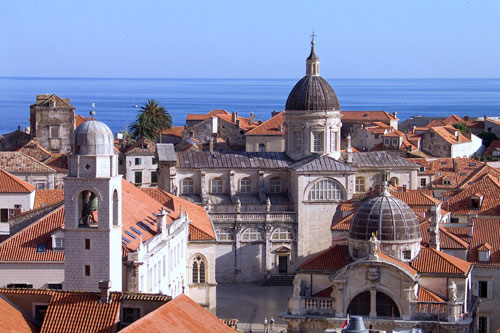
(105, 287)
(234, 116)
(161, 219)
(349, 149)
(434, 228)
(395, 114)
(211, 145)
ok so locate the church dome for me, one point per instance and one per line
(391, 218)
(92, 138)
(312, 93)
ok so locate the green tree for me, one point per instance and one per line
(462, 127)
(487, 137)
(151, 120)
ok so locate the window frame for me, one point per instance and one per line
(217, 188)
(224, 234)
(187, 183)
(248, 235)
(247, 187)
(325, 189)
(199, 270)
(357, 185)
(317, 142)
(423, 182)
(137, 161)
(298, 141)
(137, 175)
(280, 231)
(275, 185)
(52, 128)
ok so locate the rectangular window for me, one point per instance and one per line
(422, 169)
(87, 270)
(4, 215)
(298, 141)
(40, 311)
(130, 315)
(483, 325)
(387, 142)
(87, 243)
(454, 220)
(56, 286)
(154, 177)
(377, 136)
(138, 177)
(40, 186)
(475, 203)
(59, 243)
(407, 254)
(395, 142)
(138, 161)
(483, 289)
(54, 132)
(360, 184)
(423, 182)
(317, 142)
(153, 161)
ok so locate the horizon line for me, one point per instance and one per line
(243, 78)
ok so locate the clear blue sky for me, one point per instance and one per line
(249, 39)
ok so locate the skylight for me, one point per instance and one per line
(41, 248)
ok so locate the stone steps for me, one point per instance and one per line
(277, 280)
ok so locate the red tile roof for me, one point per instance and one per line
(45, 198)
(416, 198)
(494, 145)
(342, 224)
(425, 295)
(35, 150)
(180, 315)
(245, 123)
(141, 146)
(331, 259)
(270, 126)
(15, 162)
(401, 264)
(173, 131)
(461, 203)
(447, 239)
(431, 261)
(80, 120)
(203, 116)
(58, 162)
(12, 184)
(381, 116)
(448, 134)
(13, 320)
(200, 228)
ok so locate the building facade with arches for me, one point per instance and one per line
(273, 210)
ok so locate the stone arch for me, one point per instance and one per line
(314, 186)
(385, 305)
(78, 200)
(198, 268)
(283, 232)
(252, 234)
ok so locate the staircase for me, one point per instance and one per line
(277, 280)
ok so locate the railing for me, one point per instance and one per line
(318, 305)
(429, 311)
(254, 217)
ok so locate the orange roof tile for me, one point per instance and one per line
(401, 264)
(425, 295)
(485, 247)
(416, 198)
(431, 261)
(141, 146)
(203, 116)
(173, 131)
(245, 123)
(13, 320)
(453, 119)
(447, 239)
(58, 162)
(45, 198)
(182, 315)
(270, 126)
(494, 145)
(80, 120)
(35, 150)
(12, 184)
(461, 203)
(448, 134)
(381, 116)
(343, 224)
(15, 162)
(201, 229)
(331, 259)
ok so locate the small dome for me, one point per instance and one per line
(391, 218)
(92, 138)
(312, 93)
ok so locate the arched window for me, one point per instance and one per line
(89, 205)
(187, 186)
(282, 234)
(115, 208)
(199, 269)
(275, 185)
(394, 181)
(246, 185)
(326, 189)
(385, 306)
(262, 148)
(251, 234)
(224, 234)
(217, 185)
(360, 184)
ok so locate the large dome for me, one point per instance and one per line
(312, 93)
(391, 218)
(92, 138)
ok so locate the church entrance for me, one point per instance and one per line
(283, 264)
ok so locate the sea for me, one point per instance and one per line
(118, 101)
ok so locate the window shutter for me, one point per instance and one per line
(475, 288)
(490, 289)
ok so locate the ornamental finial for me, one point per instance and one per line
(92, 111)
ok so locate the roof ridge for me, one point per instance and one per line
(30, 158)
(24, 184)
(453, 236)
(448, 258)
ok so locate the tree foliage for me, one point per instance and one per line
(487, 137)
(462, 127)
(151, 120)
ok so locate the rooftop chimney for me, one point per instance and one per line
(234, 116)
(434, 229)
(252, 118)
(162, 220)
(104, 286)
(404, 188)
(395, 114)
(274, 113)
(211, 145)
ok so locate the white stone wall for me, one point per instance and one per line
(37, 274)
(8, 200)
(467, 149)
(273, 143)
(204, 294)
(146, 167)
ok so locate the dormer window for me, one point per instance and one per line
(484, 253)
(475, 201)
(422, 169)
(446, 181)
(387, 142)
(58, 240)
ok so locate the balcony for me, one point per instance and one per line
(264, 217)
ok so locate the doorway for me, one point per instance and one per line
(283, 264)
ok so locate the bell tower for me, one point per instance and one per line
(92, 201)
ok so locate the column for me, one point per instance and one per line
(373, 303)
(237, 254)
(203, 187)
(268, 255)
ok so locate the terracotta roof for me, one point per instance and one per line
(80, 120)
(479, 173)
(416, 198)
(45, 198)
(200, 228)
(245, 123)
(331, 259)
(494, 145)
(425, 295)
(43, 100)
(12, 184)
(324, 293)
(24, 245)
(447, 239)
(343, 224)
(381, 116)
(15, 162)
(203, 116)
(401, 264)
(141, 146)
(270, 126)
(35, 150)
(453, 119)
(485, 247)
(182, 315)
(431, 261)
(461, 203)
(448, 134)
(173, 131)
(13, 320)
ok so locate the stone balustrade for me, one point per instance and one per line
(436, 311)
(290, 217)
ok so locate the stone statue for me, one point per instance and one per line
(297, 287)
(374, 245)
(268, 205)
(238, 205)
(452, 291)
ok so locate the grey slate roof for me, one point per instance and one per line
(312, 93)
(234, 160)
(318, 162)
(165, 152)
(381, 159)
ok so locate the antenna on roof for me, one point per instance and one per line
(92, 111)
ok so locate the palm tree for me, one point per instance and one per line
(143, 127)
(151, 120)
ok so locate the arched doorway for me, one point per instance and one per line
(385, 306)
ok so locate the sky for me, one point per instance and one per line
(249, 39)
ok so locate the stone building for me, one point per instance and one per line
(382, 273)
(137, 163)
(273, 210)
(52, 121)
